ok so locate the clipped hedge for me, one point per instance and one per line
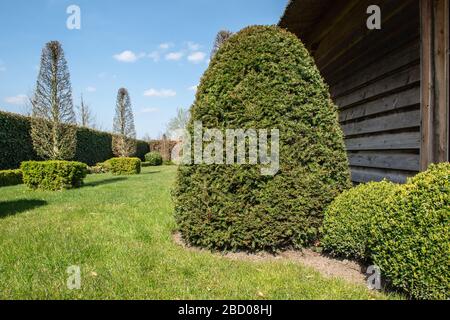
(153, 159)
(15, 141)
(349, 218)
(16, 145)
(53, 175)
(410, 240)
(93, 146)
(10, 177)
(142, 148)
(124, 166)
(263, 78)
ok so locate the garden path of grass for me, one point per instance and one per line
(118, 230)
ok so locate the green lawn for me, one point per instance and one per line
(119, 231)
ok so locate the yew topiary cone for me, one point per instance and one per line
(263, 78)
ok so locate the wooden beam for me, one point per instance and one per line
(434, 82)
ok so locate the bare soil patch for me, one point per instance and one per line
(330, 267)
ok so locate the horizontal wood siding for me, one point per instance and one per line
(374, 78)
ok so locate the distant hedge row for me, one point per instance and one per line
(16, 145)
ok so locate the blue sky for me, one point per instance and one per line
(158, 50)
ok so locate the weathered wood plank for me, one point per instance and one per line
(403, 120)
(426, 15)
(352, 34)
(396, 82)
(391, 102)
(435, 83)
(334, 16)
(367, 174)
(441, 65)
(386, 160)
(353, 61)
(409, 55)
(395, 141)
(399, 19)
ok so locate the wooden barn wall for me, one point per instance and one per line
(374, 79)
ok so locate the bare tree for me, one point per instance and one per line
(178, 122)
(85, 114)
(53, 118)
(124, 139)
(147, 138)
(221, 37)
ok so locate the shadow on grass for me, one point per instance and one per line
(9, 208)
(105, 181)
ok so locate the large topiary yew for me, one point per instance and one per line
(263, 78)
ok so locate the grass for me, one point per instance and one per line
(118, 230)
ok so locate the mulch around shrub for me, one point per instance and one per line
(329, 267)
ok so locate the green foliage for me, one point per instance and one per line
(154, 158)
(93, 146)
(53, 175)
(124, 166)
(142, 148)
(263, 78)
(16, 145)
(348, 219)
(10, 177)
(15, 141)
(102, 167)
(403, 229)
(410, 240)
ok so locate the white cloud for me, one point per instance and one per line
(149, 110)
(174, 56)
(165, 46)
(193, 88)
(193, 46)
(20, 99)
(197, 57)
(126, 56)
(91, 89)
(163, 93)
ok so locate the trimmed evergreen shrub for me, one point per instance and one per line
(263, 78)
(153, 158)
(15, 141)
(410, 240)
(10, 177)
(142, 148)
(53, 175)
(124, 166)
(93, 146)
(16, 145)
(104, 167)
(348, 219)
